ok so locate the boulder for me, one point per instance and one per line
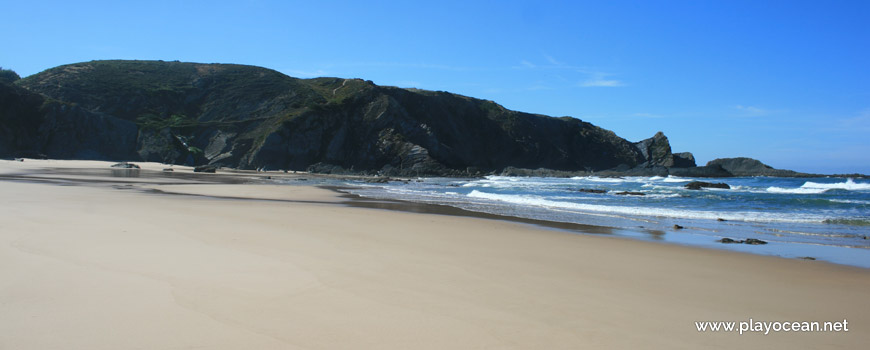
(629, 193)
(697, 185)
(751, 241)
(125, 165)
(754, 241)
(205, 169)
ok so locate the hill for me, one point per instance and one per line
(255, 118)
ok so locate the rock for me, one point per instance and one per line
(678, 227)
(806, 258)
(743, 166)
(684, 160)
(19, 159)
(205, 169)
(655, 151)
(751, 241)
(125, 165)
(591, 190)
(324, 168)
(168, 170)
(754, 241)
(720, 219)
(697, 185)
(629, 193)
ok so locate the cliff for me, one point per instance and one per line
(256, 118)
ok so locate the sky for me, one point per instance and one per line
(786, 82)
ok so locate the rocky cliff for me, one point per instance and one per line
(255, 118)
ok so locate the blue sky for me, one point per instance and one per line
(787, 82)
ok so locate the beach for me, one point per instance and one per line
(182, 262)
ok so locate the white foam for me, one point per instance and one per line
(537, 201)
(849, 185)
(849, 201)
(799, 190)
(810, 187)
(662, 195)
(599, 179)
(676, 179)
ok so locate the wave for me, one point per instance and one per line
(799, 190)
(810, 187)
(849, 185)
(851, 222)
(537, 201)
(849, 201)
(676, 179)
(599, 179)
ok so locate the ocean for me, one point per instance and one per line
(822, 218)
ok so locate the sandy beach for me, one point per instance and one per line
(96, 262)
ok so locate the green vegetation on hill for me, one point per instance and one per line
(253, 117)
(8, 76)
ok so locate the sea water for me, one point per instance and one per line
(823, 218)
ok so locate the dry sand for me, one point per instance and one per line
(93, 265)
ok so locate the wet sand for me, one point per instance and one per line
(89, 260)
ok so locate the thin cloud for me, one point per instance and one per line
(859, 122)
(598, 82)
(552, 60)
(600, 79)
(753, 111)
(528, 64)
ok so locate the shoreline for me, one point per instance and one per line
(98, 172)
(108, 265)
(154, 174)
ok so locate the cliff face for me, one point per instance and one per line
(251, 117)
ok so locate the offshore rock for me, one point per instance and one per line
(656, 151)
(684, 160)
(697, 185)
(751, 167)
